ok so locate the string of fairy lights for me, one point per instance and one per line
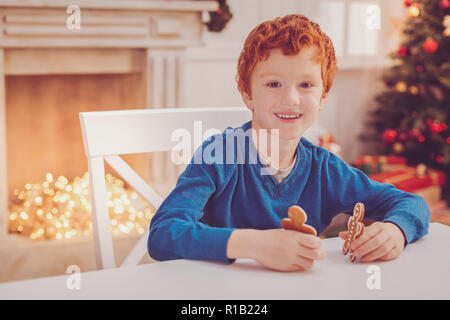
(58, 209)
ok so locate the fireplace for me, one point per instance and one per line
(125, 55)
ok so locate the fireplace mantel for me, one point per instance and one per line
(114, 37)
(117, 24)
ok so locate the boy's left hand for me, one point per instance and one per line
(379, 241)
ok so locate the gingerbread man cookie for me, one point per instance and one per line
(355, 229)
(296, 221)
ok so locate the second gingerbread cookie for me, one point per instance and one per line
(296, 221)
(355, 229)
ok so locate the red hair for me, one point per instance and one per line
(290, 33)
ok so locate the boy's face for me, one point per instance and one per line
(289, 86)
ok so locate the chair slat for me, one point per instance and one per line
(138, 252)
(150, 130)
(147, 192)
(138, 184)
(104, 252)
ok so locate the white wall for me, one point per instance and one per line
(211, 70)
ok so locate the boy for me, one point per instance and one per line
(227, 211)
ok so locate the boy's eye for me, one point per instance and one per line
(305, 85)
(273, 84)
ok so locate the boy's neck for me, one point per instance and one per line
(286, 148)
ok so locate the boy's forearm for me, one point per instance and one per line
(242, 243)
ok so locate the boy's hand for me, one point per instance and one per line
(287, 250)
(277, 249)
(379, 241)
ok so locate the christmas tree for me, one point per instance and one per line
(412, 114)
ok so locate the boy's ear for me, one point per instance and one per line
(322, 102)
(247, 100)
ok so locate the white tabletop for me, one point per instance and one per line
(422, 272)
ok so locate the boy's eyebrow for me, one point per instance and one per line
(271, 73)
(268, 73)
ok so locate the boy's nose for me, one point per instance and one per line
(291, 97)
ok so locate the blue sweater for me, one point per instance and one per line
(212, 198)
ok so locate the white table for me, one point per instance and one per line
(422, 272)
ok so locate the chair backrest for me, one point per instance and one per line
(108, 134)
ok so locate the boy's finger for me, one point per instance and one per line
(312, 254)
(389, 256)
(368, 234)
(304, 263)
(308, 240)
(371, 245)
(381, 251)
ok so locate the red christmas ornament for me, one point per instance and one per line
(439, 159)
(421, 138)
(430, 45)
(407, 3)
(436, 127)
(389, 136)
(445, 4)
(402, 51)
(419, 68)
(219, 11)
(448, 140)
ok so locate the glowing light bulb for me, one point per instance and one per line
(414, 11)
(38, 200)
(49, 177)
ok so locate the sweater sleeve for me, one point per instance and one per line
(175, 230)
(383, 202)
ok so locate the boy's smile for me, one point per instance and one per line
(286, 94)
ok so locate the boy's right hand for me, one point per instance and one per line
(277, 249)
(287, 250)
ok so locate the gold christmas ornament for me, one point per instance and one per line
(401, 86)
(398, 147)
(413, 10)
(414, 90)
(421, 170)
(446, 24)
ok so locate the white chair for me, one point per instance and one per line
(107, 134)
